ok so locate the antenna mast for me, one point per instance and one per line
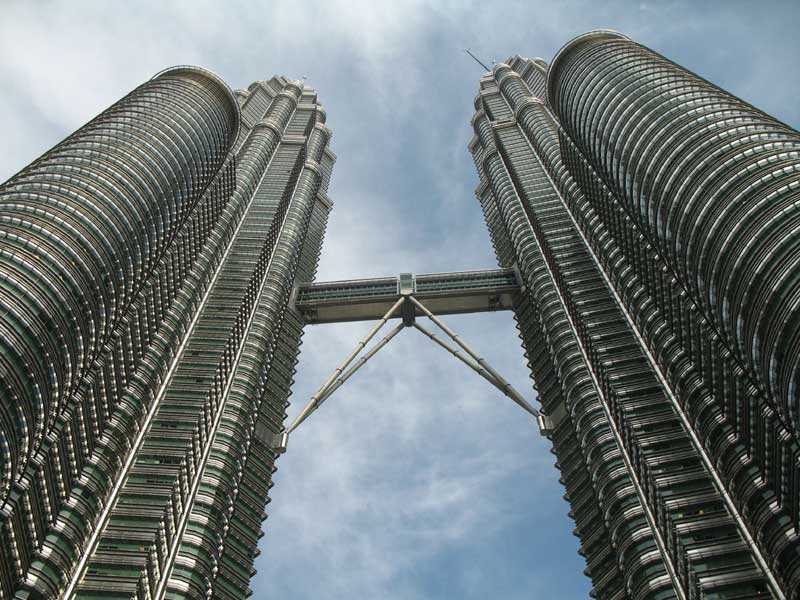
(477, 60)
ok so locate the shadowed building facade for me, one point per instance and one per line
(653, 218)
(146, 341)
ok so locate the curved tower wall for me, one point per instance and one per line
(696, 190)
(694, 391)
(81, 230)
(212, 207)
(713, 182)
(564, 388)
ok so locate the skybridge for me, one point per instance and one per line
(407, 297)
(461, 292)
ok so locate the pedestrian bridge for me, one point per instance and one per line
(443, 294)
(407, 297)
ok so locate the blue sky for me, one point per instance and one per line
(417, 479)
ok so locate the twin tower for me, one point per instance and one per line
(156, 274)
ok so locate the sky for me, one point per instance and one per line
(417, 479)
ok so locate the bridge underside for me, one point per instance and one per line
(443, 293)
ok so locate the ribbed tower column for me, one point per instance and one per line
(698, 192)
(613, 518)
(81, 228)
(713, 181)
(95, 240)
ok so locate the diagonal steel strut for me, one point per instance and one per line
(507, 389)
(497, 379)
(457, 353)
(359, 363)
(315, 400)
(342, 373)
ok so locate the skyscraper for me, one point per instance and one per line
(652, 217)
(156, 274)
(146, 341)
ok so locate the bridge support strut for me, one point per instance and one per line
(405, 305)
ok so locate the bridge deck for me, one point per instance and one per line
(442, 293)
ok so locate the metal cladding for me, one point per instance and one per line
(81, 229)
(652, 217)
(146, 344)
(713, 183)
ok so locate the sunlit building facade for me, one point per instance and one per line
(146, 340)
(653, 219)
